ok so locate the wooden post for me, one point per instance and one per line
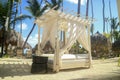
(56, 64)
(38, 41)
(89, 41)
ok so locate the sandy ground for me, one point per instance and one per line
(19, 69)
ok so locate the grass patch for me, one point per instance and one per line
(6, 56)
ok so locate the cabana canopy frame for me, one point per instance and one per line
(76, 28)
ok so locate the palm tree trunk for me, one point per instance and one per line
(110, 18)
(21, 20)
(7, 24)
(92, 25)
(2, 46)
(103, 16)
(87, 9)
(20, 24)
(110, 9)
(79, 4)
(92, 9)
(29, 35)
(16, 11)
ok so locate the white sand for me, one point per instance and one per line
(19, 69)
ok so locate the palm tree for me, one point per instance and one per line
(107, 21)
(79, 4)
(110, 17)
(7, 20)
(16, 11)
(114, 26)
(92, 25)
(110, 9)
(3, 14)
(103, 2)
(36, 10)
(87, 9)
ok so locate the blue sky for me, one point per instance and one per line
(70, 5)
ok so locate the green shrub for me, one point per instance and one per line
(6, 56)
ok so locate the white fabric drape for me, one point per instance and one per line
(83, 39)
(53, 35)
(46, 34)
(74, 31)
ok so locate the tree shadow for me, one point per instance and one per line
(14, 69)
(18, 69)
(111, 76)
(100, 78)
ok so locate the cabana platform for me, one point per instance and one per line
(69, 61)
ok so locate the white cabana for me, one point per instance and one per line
(76, 28)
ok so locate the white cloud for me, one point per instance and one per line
(24, 26)
(76, 1)
(33, 40)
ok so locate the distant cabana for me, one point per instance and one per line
(47, 48)
(100, 45)
(76, 28)
(15, 40)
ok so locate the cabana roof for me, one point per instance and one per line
(53, 15)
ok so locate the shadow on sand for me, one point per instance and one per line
(18, 69)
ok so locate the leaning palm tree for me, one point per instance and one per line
(36, 10)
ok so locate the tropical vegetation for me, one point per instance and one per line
(8, 19)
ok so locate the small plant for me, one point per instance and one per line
(102, 58)
(6, 56)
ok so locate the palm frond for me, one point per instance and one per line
(54, 2)
(43, 9)
(19, 18)
(47, 2)
(33, 7)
